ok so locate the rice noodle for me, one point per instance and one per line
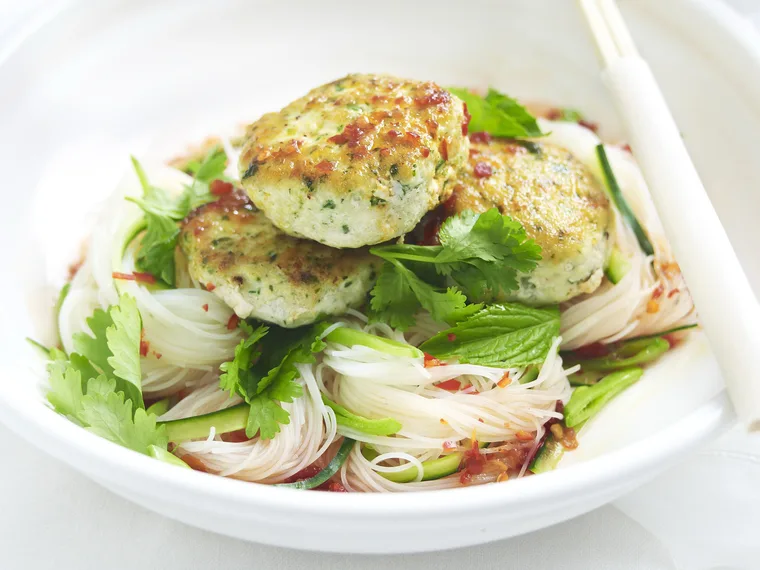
(188, 338)
(652, 297)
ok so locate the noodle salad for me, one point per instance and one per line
(385, 286)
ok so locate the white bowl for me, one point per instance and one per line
(96, 82)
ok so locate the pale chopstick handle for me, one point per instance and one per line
(722, 294)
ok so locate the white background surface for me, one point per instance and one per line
(51, 517)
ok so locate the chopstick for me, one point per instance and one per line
(727, 307)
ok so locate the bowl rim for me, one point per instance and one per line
(107, 461)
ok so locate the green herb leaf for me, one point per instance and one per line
(156, 254)
(479, 258)
(399, 293)
(513, 109)
(65, 392)
(504, 335)
(264, 372)
(95, 347)
(212, 167)
(163, 210)
(106, 413)
(498, 114)
(235, 372)
(123, 340)
(114, 348)
(101, 409)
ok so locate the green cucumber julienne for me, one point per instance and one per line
(383, 427)
(352, 337)
(617, 266)
(223, 421)
(236, 418)
(622, 205)
(432, 469)
(629, 353)
(548, 456)
(586, 401)
(331, 469)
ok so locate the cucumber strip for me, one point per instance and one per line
(198, 427)
(620, 202)
(385, 426)
(630, 353)
(331, 469)
(352, 337)
(617, 266)
(667, 332)
(548, 457)
(432, 469)
(586, 401)
(159, 408)
(166, 456)
(585, 378)
(529, 375)
(44, 350)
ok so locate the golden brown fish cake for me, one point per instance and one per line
(260, 272)
(357, 161)
(558, 201)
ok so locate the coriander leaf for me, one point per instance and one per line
(95, 348)
(212, 167)
(489, 236)
(505, 335)
(114, 348)
(511, 107)
(123, 340)
(264, 372)
(399, 293)
(85, 368)
(155, 200)
(163, 210)
(156, 254)
(107, 414)
(265, 417)
(480, 256)
(392, 299)
(497, 114)
(65, 393)
(235, 372)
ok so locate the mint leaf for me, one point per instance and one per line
(513, 109)
(505, 335)
(497, 114)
